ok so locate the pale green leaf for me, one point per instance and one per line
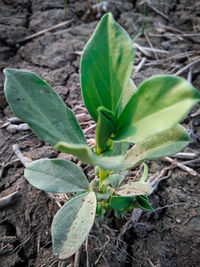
(86, 155)
(135, 189)
(120, 148)
(56, 176)
(72, 224)
(158, 104)
(145, 173)
(36, 103)
(156, 146)
(115, 179)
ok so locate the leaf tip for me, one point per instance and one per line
(9, 71)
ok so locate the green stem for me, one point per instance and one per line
(102, 177)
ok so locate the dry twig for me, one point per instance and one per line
(10, 199)
(150, 44)
(171, 59)
(140, 65)
(86, 250)
(181, 166)
(192, 163)
(190, 73)
(89, 129)
(156, 10)
(14, 120)
(19, 154)
(83, 117)
(77, 257)
(191, 64)
(37, 34)
(13, 128)
(185, 155)
(179, 33)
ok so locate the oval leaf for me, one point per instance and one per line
(158, 104)
(37, 104)
(56, 176)
(86, 155)
(106, 66)
(72, 224)
(156, 146)
(135, 188)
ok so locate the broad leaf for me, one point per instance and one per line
(135, 189)
(37, 104)
(156, 146)
(56, 176)
(72, 224)
(158, 104)
(106, 66)
(86, 155)
(105, 127)
(119, 203)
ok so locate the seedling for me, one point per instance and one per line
(147, 116)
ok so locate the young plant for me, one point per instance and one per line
(147, 116)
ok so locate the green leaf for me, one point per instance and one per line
(130, 89)
(37, 104)
(145, 173)
(143, 203)
(102, 196)
(120, 202)
(106, 66)
(134, 189)
(156, 146)
(120, 148)
(86, 155)
(115, 179)
(100, 211)
(56, 176)
(105, 127)
(158, 104)
(72, 224)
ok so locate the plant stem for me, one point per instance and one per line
(102, 177)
